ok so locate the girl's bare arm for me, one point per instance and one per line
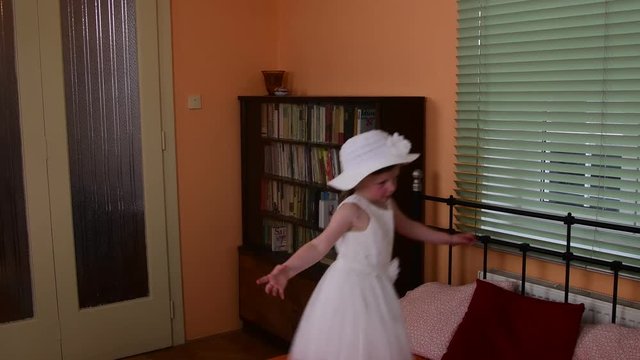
(316, 249)
(419, 231)
(311, 252)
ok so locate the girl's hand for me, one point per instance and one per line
(462, 238)
(276, 281)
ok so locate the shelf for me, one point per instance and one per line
(289, 180)
(301, 142)
(278, 136)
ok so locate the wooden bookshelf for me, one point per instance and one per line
(290, 150)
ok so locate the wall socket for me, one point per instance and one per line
(194, 102)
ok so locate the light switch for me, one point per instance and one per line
(194, 102)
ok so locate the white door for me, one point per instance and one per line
(29, 302)
(94, 297)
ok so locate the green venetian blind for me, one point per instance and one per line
(548, 119)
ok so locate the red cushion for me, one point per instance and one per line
(500, 324)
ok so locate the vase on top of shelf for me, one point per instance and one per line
(273, 81)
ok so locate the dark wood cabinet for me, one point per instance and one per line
(289, 149)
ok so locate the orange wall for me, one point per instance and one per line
(330, 47)
(219, 48)
(390, 47)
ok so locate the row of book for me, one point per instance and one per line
(321, 123)
(298, 202)
(281, 236)
(288, 200)
(284, 236)
(287, 160)
(325, 164)
(303, 163)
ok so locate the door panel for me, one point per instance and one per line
(16, 302)
(105, 154)
(140, 322)
(17, 338)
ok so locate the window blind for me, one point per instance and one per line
(548, 119)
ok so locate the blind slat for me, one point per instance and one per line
(623, 185)
(548, 118)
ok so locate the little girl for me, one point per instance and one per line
(354, 312)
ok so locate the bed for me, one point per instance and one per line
(491, 319)
(494, 320)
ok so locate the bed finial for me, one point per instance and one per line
(417, 180)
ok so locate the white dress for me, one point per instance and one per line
(354, 312)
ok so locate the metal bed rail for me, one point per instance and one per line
(525, 248)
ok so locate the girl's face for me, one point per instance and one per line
(378, 188)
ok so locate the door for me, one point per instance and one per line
(93, 180)
(28, 306)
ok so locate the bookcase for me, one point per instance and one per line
(290, 149)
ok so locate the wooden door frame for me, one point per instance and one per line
(170, 170)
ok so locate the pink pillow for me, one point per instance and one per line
(432, 313)
(501, 324)
(607, 341)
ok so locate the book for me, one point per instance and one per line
(348, 123)
(328, 124)
(281, 238)
(327, 206)
(366, 120)
(264, 120)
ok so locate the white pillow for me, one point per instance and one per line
(607, 341)
(432, 312)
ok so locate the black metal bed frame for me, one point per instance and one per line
(567, 256)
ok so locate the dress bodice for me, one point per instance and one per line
(372, 246)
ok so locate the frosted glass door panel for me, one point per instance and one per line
(105, 156)
(15, 276)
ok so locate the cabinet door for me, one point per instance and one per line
(279, 317)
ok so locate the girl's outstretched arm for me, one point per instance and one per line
(419, 231)
(311, 252)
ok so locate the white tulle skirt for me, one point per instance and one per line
(353, 314)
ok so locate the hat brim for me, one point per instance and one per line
(347, 180)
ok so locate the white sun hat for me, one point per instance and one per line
(365, 153)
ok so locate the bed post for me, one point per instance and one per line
(569, 221)
(451, 203)
(417, 203)
(485, 239)
(524, 248)
(616, 265)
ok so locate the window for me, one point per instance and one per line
(548, 119)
